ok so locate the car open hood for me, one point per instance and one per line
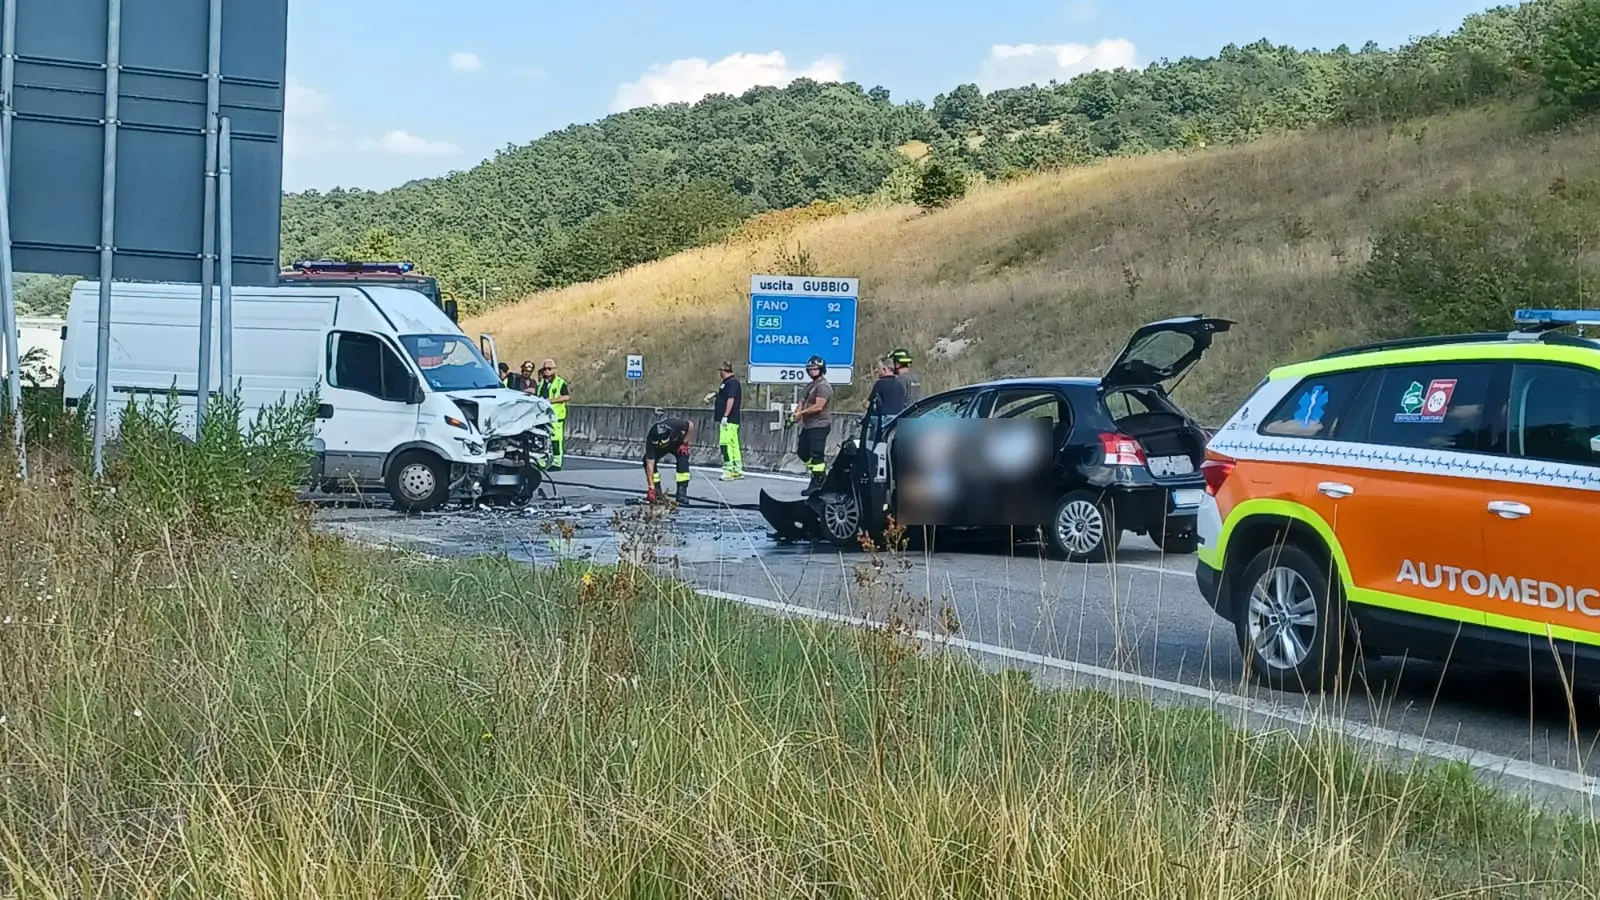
(502, 411)
(1161, 351)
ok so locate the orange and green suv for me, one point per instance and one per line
(1431, 497)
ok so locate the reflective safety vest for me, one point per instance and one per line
(550, 388)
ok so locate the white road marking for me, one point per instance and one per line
(1490, 763)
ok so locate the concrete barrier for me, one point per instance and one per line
(617, 432)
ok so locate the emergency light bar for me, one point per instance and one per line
(368, 268)
(1557, 317)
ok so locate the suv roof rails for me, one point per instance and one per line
(1539, 325)
(1408, 342)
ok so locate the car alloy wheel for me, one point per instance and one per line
(1081, 527)
(841, 516)
(1282, 618)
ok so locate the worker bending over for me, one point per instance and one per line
(667, 437)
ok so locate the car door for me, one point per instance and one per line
(925, 444)
(367, 407)
(1017, 462)
(1403, 489)
(1539, 520)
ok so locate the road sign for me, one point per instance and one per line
(635, 366)
(56, 133)
(793, 318)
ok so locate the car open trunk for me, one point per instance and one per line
(1173, 444)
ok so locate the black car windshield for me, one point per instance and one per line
(450, 362)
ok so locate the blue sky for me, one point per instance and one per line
(383, 91)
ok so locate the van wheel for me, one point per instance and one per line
(418, 481)
(1289, 616)
(1083, 528)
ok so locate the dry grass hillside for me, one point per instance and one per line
(1048, 275)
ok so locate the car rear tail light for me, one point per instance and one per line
(1121, 450)
(1216, 471)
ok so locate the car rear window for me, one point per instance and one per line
(1131, 403)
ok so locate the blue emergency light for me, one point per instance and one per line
(1558, 317)
(370, 268)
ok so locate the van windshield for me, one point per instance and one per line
(450, 362)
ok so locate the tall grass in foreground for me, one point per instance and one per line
(251, 709)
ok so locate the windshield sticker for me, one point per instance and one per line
(1427, 405)
(1312, 405)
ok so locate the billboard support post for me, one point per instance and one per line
(108, 226)
(208, 216)
(8, 315)
(225, 277)
(8, 287)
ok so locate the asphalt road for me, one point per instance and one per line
(1141, 615)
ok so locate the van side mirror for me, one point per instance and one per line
(451, 309)
(417, 395)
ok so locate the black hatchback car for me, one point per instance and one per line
(1110, 454)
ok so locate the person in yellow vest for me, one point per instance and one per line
(555, 389)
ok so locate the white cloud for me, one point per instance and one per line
(404, 143)
(687, 80)
(466, 61)
(321, 148)
(1017, 65)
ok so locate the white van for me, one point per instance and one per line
(408, 404)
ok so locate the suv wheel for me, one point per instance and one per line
(418, 481)
(1083, 528)
(1290, 620)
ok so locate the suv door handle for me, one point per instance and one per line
(1509, 509)
(1336, 489)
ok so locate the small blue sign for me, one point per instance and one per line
(793, 318)
(635, 366)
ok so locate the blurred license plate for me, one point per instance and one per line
(1187, 497)
(1171, 465)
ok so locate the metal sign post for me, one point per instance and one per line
(225, 229)
(108, 231)
(8, 317)
(635, 374)
(208, 217)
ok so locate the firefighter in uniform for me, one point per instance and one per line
(555, 389)
(902, 370)
(667, 437)
(815, 420)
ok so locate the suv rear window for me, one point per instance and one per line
(1316, 407)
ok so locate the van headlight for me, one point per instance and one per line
(457, 423)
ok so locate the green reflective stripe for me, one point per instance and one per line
(1445, 353)
(1384, 599)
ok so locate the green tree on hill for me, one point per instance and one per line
(939, 186)
(1569, 58)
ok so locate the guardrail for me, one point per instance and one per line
(617, 432)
